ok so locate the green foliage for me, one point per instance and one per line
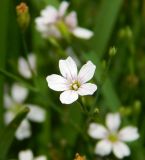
(119, 76)
(7, 135)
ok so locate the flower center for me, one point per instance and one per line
(75, 86)
(15, 108)
(113, 138)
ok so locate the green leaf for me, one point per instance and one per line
(107, 88)
(4, 17)
(104, 24)
(8, 133)
(16, 78)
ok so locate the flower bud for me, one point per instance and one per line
(137, 106)
(125, 32)
(78, 157)
(23, 16)
(125, 111)
(112, 51)
(132, 80)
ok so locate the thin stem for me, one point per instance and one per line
(26, 53)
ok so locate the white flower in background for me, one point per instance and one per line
(28, 155)
(50, 19)
(14, 103)
(71, 82)
(112, 139)
(72, 23)
(25, 67)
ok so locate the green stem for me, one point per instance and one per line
(26, 53)
(14, 77)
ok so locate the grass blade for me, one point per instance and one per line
(8, 133)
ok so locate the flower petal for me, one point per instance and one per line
(36, 114)
(41, 158)
(62, 9)
(71, 20)
(8, 117)
(19, 93)
(26, 155)
(32, 61)
(57, 83)
(82, 33)
(49, 14)
(87, 89)
(87, 72)
(8, 102)
(68, 97)
(113, 121)
(121, 150)
(24, 130)
(103, 148)
(97, 131)
(68, 68)
(128, 134)
(23, 68)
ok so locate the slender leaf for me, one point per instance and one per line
(3, 45)
(16, 78)
(8, 133)
(107, 88)
(105, 24)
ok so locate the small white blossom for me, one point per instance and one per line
(112, 139)
(14, 103)
(25, 67)
(28, 155)
(50, 19)
(71, 82)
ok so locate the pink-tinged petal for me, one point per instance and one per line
(41, 158)
(63, 8)
(82, 33)
(87, 72)
(68, 69)
(121, 150)
(87, 89)
(8, 102)
(71, 20)
(23, 68)
(97, 131)
(128, 134)
(68, 97)
(40, 25)
(26, 155)
(103, 148)
(23, 131)
(49, 14)
(113, 121)
(57, 83)
(19, 93)
(36, 114)
(32, 61)
(8, 117)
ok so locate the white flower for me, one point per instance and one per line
(71, 82)
(25, 67)
(112, 139)
(72, 23)
(28, 155)
(14, 103)
(48, 22)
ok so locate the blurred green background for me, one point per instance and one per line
(120, 78)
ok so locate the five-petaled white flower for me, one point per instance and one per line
(28, 155)
(112, 139)
(14, 103)
(25, 67)
(48, 24)
(71, 82)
